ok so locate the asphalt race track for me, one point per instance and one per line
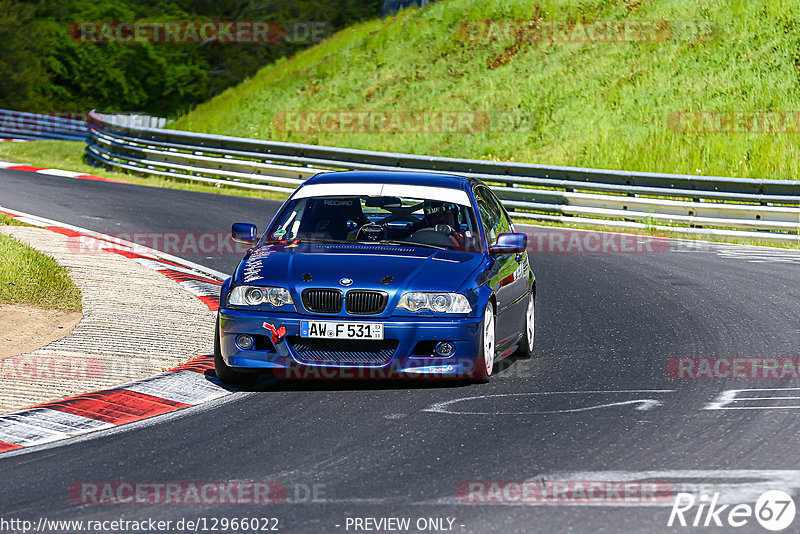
(595, 403)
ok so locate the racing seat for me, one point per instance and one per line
(327, 218)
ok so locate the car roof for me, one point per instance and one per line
(391, 177)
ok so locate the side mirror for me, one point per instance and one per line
(509, 244)
(244, 233)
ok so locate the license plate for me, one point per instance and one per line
(334, 330)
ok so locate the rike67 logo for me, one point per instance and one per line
(774, 510)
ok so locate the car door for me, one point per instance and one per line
(519, 284)
(501, 275)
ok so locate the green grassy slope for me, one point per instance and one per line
(28, 276)
(595, 104)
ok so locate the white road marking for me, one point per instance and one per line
(159, 265)
(735, 486)
(641, 404)
(731, 396)
(187, 387)
(40, 425)
(56, 420)
(21, 434)
(750, 253)
(59, 172)
(201, 289)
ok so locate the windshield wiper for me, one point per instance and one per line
(381, 242)
(323, 240)
(408, 244)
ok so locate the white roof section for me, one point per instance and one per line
(422, 192)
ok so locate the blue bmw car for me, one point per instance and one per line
(378, 274)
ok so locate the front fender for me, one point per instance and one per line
(224, 290)
(478, 292)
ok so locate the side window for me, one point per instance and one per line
(505, 222)
(491, 218)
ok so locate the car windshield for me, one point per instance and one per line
(378, 220)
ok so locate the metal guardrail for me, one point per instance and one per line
(22, 125)
(764, 209)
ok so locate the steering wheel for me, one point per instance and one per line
(445, 229)
(372, 232)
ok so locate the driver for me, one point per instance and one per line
(437, 213)
(443, 217)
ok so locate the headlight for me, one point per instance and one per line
(438, 302)
(255, 296)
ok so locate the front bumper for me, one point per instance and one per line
(408, 360)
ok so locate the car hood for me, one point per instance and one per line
(388, 268)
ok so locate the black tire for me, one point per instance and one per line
(484, 368)
(526, 344)
(225, 373)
